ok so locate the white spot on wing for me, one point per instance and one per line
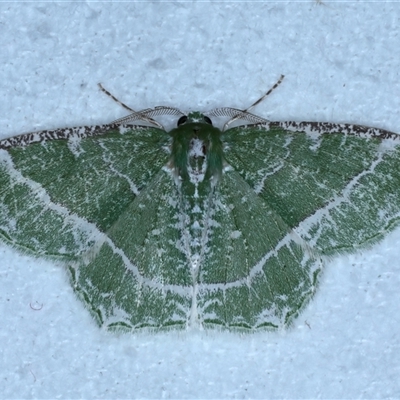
(235, 234)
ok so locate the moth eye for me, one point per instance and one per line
(182, 120)
(208, 120)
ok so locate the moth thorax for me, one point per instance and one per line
(197, 160)
(197, 148)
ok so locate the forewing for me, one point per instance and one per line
(60, 190)
(338, 186)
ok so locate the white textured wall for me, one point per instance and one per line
(342, 63)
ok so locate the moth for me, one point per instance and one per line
(198, 227)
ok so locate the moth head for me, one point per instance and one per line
(194, 117)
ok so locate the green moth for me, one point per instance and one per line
(199, 226)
